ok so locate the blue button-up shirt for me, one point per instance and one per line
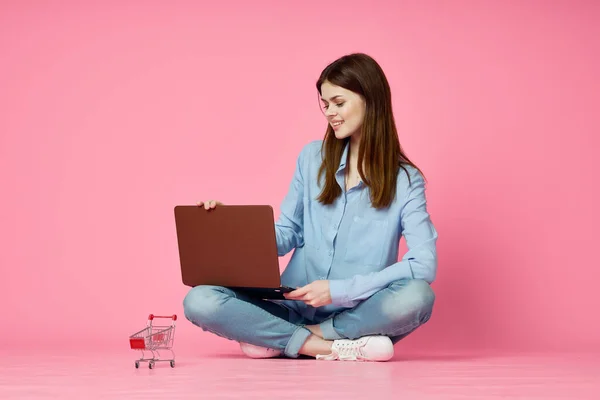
(351, 243)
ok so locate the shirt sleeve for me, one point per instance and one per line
(289, 226)
(419, 262)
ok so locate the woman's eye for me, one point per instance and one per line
(325, 106)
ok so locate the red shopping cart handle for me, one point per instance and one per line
(152, 316)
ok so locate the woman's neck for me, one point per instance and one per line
(353, 152)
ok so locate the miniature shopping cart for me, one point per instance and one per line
(154, 338)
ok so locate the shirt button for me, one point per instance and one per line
(330, 252)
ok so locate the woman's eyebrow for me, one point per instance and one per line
(334, 97)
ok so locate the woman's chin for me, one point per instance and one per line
(340, 135)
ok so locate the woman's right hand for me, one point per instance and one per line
(209, 204)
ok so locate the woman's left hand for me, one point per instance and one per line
(314, 294)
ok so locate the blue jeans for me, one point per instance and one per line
(394, 311)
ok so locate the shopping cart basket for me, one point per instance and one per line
(154, 338)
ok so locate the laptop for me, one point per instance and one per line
(233, 246)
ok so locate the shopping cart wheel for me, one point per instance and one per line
(172, 363)
(151, 364)
(137, 364)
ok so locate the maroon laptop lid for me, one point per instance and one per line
(230, 245)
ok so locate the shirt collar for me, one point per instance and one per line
(342, 167)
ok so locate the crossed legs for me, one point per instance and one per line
(394, 311)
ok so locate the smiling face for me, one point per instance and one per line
(344, 110)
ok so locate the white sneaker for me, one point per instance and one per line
(253, 351)
(366, 348)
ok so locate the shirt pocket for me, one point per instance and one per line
(313, 225)
(366, 241)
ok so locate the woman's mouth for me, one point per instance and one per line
(337, 124)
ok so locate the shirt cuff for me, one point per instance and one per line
(338, 292)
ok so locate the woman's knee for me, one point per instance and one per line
(413, 295)
(202, 303)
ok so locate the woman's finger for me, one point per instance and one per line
(298, 295)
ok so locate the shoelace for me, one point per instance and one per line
(345, 350)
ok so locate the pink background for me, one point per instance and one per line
(111, 114)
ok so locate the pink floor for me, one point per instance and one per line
(100, 375)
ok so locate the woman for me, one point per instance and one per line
(352, 197)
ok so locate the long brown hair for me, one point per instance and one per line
(380, 148)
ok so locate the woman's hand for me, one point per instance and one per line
(314, 294)
(209, 204)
